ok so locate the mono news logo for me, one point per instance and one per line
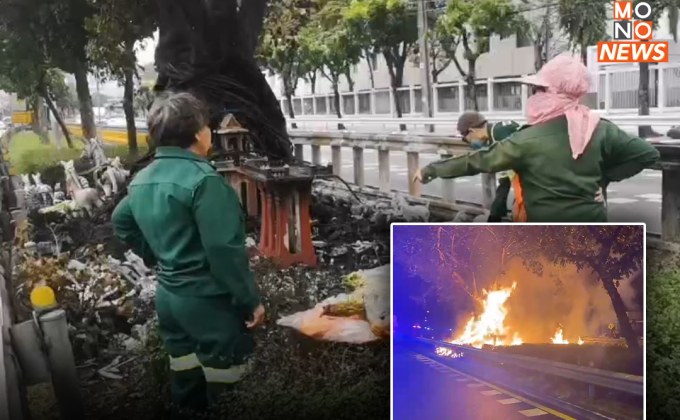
(632, 40)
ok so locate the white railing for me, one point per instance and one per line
(447, 124)
(614, 89)
(433, 146)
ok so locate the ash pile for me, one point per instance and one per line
(353, 231)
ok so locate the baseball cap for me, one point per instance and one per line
(535, 80)
(468, 120)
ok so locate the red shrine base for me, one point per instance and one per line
(283, 208)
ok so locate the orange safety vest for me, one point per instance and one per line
(519, 212)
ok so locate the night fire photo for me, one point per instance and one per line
(516, 321)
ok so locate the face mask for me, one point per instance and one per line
(476, 144)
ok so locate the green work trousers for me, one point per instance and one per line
(209, 347)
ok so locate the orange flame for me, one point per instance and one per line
(489, 327)
(558, 338)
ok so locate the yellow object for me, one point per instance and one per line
(25, 117)
(112, 135)
(42, 297)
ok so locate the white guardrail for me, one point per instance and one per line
(631, 384)
(446, 124)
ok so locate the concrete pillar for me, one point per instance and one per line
(413, 164)
(384, 169)
(316, 154)
(358, 165)
(336, 156)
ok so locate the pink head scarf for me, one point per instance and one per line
(566, 80)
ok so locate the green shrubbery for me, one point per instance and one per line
(28, 155)
(663, 345)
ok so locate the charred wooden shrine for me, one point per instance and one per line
(276, 192)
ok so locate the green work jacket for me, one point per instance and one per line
(181, 215)
(555, 186)
(500, 131)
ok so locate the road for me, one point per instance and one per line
(637, 199)
(427, 389)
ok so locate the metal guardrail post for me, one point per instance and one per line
(631, 384)
(488, 190)
(413, 164)
(448, 185)
(336, 150)
(670, 192)
(316, 154)
(358, 153)
(299, 152)
(62, 364)
(384, 168)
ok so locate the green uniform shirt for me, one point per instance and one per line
(500, 131)
(555, 186)
(180, 214)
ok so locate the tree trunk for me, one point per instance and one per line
(85, 102)
(336, 101)
(621, 315)
(370, 67)
(350, 82)
(60, 121)
(396, 70)
(584, 55)
(129, 109)
(288, 93)
(38, 125)
(643, 99)
(312, 81)
(471, 88)
(251, 18)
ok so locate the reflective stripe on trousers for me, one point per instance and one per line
(188, 362)
(213, 375)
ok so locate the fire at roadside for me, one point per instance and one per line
(505, 321)
(108, 295)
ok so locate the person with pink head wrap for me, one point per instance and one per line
(563, 158)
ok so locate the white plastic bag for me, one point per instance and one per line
(372, 287)
(315, 324)
(376, 297)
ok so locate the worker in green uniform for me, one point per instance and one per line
(564, 159)
(479, 133)
(182, 217)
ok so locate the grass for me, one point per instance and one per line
(27, 154)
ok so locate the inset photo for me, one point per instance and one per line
(509, 321)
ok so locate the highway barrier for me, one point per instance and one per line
(622, 382)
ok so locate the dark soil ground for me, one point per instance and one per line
(294, 376)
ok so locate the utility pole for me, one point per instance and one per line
(425, 79)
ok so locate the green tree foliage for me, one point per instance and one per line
(58, 27)
(113, 30)
(469, 24)
(25, 70)
(331, 44)
(281, 50)
(663, 336)
(541, 24)
(388, 27)
(584, 22)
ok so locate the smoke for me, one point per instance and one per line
(631, 289)
(561, 295)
